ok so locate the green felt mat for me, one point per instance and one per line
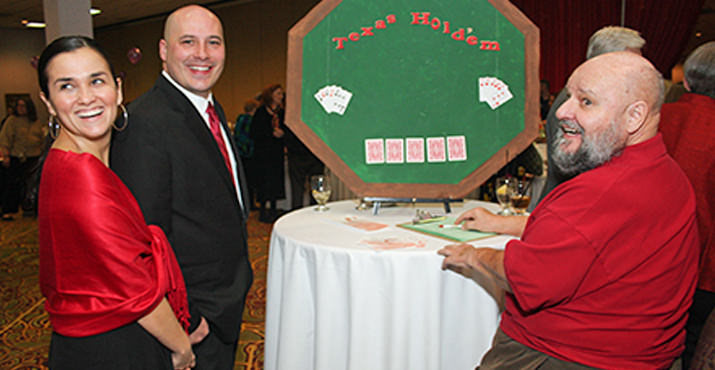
(454, 234)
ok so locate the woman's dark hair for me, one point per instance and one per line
(267, 94)
(63, 45)
(29, 106)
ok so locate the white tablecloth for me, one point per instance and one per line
(334, 302)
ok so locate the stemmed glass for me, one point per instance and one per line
(522, 196)
(320, 189)
(505, 189)
(362, 205)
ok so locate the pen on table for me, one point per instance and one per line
(451, 226)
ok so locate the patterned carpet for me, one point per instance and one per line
(24, 325)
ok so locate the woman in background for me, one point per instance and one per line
(243, 137)
(22, 140)
(112, 285)
(268, 131)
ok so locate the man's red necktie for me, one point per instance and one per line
(215, 125)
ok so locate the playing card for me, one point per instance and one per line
(488, 90)
(322, 97)
(435, 149)
(341, 100)
(395, 150)
(494, 92)
(456, 148)
(333, 99)
(498, 99)
(374, 151)
(319, 97)
(415, 150)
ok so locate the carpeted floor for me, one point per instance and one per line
(25, 328)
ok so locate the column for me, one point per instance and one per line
(67, 17)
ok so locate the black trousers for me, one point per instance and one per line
(16, 177)
(703, 304)
(214, 354)
(129, 347)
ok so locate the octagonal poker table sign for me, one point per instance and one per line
(413, 98)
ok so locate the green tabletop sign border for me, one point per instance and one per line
(348, 176)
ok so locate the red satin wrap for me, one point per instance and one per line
(101, 266)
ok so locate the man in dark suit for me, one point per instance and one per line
(177, 158)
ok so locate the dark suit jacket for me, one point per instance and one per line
(554, 177)
(169, 159)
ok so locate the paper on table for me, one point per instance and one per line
(455, 234)
(360, 224)
(383, 244)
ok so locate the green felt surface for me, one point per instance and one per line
(455, 234)
(413, 81)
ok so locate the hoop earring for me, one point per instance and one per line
(54, 127)
(125, 115)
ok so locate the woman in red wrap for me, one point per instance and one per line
(114, 292)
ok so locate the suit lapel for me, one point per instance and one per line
(197, 126)
(243, 185)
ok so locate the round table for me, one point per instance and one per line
(342, 298)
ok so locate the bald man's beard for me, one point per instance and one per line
(595, 149)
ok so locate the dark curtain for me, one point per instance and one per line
(566, 25)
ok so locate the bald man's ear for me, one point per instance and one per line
(636, 115)
(162, 50)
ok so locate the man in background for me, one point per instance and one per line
(177, 158)
(689, 135)
(605, 268)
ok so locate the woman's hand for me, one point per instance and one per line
(183, 360)
(162, 324)
(278, 133)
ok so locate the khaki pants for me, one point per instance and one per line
(507, 353)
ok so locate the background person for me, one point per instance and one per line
(302, 164)
(268, 131)
(605, 269)
(91, 230)
(243, 137)
(687, 128)
(545, 98)
(22, 140)
(179, 161)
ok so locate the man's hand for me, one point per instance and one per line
(200, 333)
(483, 265)
(480, 219)
(464, 260)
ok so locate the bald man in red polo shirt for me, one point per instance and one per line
(605, 268)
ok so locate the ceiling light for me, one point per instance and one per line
(94, 11)
(30, 24)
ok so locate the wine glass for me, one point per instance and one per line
(504, 189)
(522, 195)
(320, 189)
(362, 204)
